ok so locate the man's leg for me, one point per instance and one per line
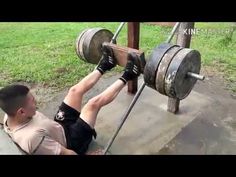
(76, 92)
(90, 110)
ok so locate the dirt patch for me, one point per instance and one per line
(215, 71)
(61, 70)
(217, 82)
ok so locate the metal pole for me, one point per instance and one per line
(173, 32)
(113, 40)
(124, 117)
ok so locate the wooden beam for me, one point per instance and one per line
(133, 42)
(121, 54)
(184, 40)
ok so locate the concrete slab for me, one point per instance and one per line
(214, 130)
(149, 126)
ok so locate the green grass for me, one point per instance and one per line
(217, 48)
(42, 53)
(45, 52)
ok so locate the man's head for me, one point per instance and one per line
(17, 101)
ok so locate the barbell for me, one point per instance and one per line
(171, 70)
(89, 43)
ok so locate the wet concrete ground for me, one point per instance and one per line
(149, 126)
(206, 125)
(214, 130)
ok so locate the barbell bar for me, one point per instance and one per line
(113, 40)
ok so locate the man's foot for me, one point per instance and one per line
(132, 68)
(107, 61)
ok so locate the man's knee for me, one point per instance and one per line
(94, 103)
(76, 90)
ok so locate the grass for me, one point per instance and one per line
(217, 48)
(45, 52)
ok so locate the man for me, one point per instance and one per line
(72, 129)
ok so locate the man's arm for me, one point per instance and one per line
(48, 146)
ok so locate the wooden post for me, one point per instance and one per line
(184, 34)
(133, 42)
(183, 39)
(173, 105)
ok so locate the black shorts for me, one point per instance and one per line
(78, 133)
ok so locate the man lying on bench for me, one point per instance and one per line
(72, 129)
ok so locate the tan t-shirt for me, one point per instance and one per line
(40, 135)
